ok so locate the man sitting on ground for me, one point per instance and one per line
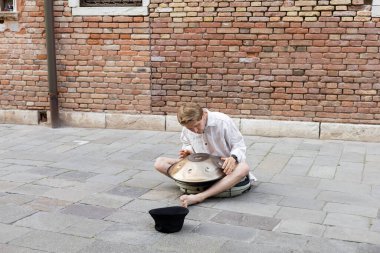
(216, 134)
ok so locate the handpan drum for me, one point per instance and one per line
(197, 168)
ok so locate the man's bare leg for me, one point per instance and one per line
(224, 184)
(162, 164)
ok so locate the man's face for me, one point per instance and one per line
(197, 126)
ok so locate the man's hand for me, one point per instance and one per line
(183, 153)
(229, 165)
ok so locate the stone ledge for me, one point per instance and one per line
(8, 15)
(376, 11)
(2, 117)
(352, 132)
(83, 119)
(272, 128)
(22, 117)
(77, 10)
(172, 124)
(275, 128)
(135, 122)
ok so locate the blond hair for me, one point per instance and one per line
(189, 112)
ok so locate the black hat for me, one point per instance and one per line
(169, 219)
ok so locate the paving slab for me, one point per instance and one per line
(88, 228)
(52, 242)
(16, 249)
(234, 246)
(80, 176)
(7, 185)
(15, 198)
(161, 195)
(66, 194)
(229, 232)
(288, 190)
(189, 242)
(48, 204)
(370, 212)
(30, 189)
(322, 171)
(317, 245)
(353, 156)
(347, 220)
(241, 206)
(301, 181)
(351, 199)
(375, 225)
(92, 187)
(367, 248)
(349, 172)
(130, 217)
(352, 234)
(301, 228)
(281, 240)
(106, 200)
(88, 211)
(100, 246)
(246, 220)
(200, 213)
(134, 235)
(12, 213)
(142, 182)
(302, 203)
(263, 198)
(307, 215)
(53, 222)
(144, 205)
(22, 177)
(56, 182)
(10, 232)
(348, 187)
(132, 192)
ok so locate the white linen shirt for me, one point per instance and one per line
(221, 137)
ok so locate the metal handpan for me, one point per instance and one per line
(197, 168)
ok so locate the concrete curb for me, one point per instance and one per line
(259, 127)
(26, 117)
(350, 132)
(83, 119)
(135, 122)
(275, 128)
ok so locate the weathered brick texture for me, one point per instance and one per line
(312, 60)
(103, 63)
(300, 60)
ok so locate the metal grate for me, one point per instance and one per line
(110, 3)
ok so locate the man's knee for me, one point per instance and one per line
(162, 164)
(159, 163)
(243, 169)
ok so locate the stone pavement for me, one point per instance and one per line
(89, 190)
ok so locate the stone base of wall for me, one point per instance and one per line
(280, 128)
(26, 117)
(354, 132)
(271, 128)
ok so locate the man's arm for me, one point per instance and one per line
(236, 141)
(187, 149)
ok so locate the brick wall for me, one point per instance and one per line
(102, 62)
(23, 60)
(294, 60)
(298, 60)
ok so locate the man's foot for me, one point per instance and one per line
(188, 200)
